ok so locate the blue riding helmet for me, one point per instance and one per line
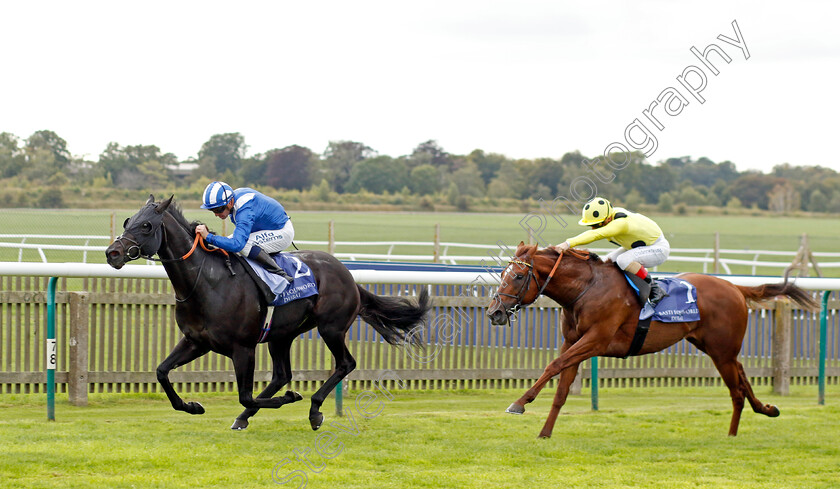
(216, 194)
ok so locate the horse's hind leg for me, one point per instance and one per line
(732, 378)
(281, 375)
(344, 364)
(765, 409)
(736, 380)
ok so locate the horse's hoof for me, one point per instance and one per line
(542, 436)
(515, 409)
(293, 396)
(195, 408)
(772, 411)
(239, 424)
(316, 421)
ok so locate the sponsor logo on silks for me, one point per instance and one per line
(263, 237)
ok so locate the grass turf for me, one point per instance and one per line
(650, 438)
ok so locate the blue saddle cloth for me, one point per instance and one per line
(302, 286)
(678, 307)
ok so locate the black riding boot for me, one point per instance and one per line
(643, 285)
(656, 293)
(264, 259)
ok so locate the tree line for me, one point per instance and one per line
(349, 167)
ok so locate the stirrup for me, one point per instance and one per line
(285, 275)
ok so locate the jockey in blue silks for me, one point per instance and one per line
(262, 225)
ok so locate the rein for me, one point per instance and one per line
(199, 239)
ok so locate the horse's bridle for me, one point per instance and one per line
(512, 310)
(128, 249)
(135, 250)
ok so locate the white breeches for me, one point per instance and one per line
(649, 256)
(272, 241)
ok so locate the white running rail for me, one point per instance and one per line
(450, 253)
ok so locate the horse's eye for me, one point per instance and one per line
(147, 227)
(517, 276)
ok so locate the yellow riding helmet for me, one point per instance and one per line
(595, 211)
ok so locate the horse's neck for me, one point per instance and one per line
(570, 282)
(602, 280)
(177, 243)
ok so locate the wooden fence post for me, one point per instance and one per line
(77, 377)
(782, 325)
(331, 237)
(803, 259)
(716, 268)
(113, 225)
(437, 244)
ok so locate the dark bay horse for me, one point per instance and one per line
(601, 312)
(220, 308)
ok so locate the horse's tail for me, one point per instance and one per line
(393, 317)
(786, 289)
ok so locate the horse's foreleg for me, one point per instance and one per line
(243, 366)
(567, 376)
(184, 352)
(571, 355)
(281, 375)
(518, 407)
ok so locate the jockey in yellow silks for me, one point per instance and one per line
(641, 241)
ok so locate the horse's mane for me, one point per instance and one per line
(174, 210)
(592, 256)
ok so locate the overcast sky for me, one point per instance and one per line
(527, 79)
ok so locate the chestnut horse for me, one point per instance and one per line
(601, 312)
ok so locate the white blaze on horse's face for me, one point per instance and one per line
(514, 272)
(511, 285)
(507, 299)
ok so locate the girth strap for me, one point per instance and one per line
(639, 337)
(266, 325)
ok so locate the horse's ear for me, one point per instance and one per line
(151, 199)
(164, 205)
(520, 248)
